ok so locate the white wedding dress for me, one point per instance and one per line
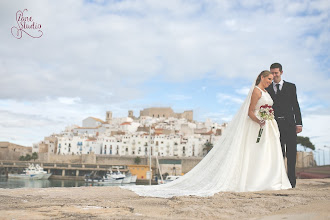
(236, 163)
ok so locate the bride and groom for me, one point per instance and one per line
(238, 162)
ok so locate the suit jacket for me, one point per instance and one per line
(286, 103)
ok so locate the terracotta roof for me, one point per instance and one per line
(126, 123)
(207, 133)
(97, 119)
(87, 127)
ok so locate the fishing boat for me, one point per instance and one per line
(32, 172)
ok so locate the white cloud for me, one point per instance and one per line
(243, 91)
(219, 117)
(97, 56)
(223, 98)
(317, 128)
(68, 101)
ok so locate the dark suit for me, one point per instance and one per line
(287, 115)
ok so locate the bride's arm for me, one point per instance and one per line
(256, 95)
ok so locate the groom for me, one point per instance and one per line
(288, 117)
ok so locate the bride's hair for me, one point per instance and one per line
(264, 74)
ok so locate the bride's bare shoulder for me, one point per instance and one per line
(256, 92)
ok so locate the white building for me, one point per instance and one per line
(92, 122)
(137, 137)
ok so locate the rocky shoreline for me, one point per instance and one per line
(310, 200)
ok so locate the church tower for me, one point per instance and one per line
(130, 114)
(108, 117)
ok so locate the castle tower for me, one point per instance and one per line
(130, 114)
(108, 117)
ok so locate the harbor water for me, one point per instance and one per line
(26, 183)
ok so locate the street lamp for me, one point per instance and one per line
(150, 177)
(321, 150)
(319, 160)
(329, 152)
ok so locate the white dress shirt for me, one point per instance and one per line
(281, 85)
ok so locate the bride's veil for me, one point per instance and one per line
(219, 170)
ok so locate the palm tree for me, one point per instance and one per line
(28, 157)
(34, 156)
(305, 142)
(137, 160)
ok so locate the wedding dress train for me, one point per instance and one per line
(236, 163)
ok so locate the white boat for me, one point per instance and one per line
(133, 179)
(39, 169)
(168, 179)
(127, 178)
(113, 177)
(32, 172)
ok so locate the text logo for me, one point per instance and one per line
(27, 25)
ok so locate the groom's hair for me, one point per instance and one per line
(276, 65)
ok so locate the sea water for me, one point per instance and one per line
(24, 183)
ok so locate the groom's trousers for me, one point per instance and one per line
(289, 147)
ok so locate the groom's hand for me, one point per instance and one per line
(298, 129)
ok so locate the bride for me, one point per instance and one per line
(236, 163)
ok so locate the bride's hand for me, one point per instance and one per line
(261, 123)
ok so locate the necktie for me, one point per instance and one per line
(278, 89)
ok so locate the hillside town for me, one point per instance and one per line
(157, 131)
(158, 139)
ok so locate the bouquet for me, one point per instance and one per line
(266, 112)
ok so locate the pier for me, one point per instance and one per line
(70, 171)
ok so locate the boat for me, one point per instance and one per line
(39, 169)
(113, 177)
(32, 172)
(168, 179)
(127, 178)
(132, 178)
(93, 177)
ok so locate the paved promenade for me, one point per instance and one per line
(310, 200)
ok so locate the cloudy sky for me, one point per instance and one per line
(96, 56)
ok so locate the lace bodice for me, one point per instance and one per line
(264, 99)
